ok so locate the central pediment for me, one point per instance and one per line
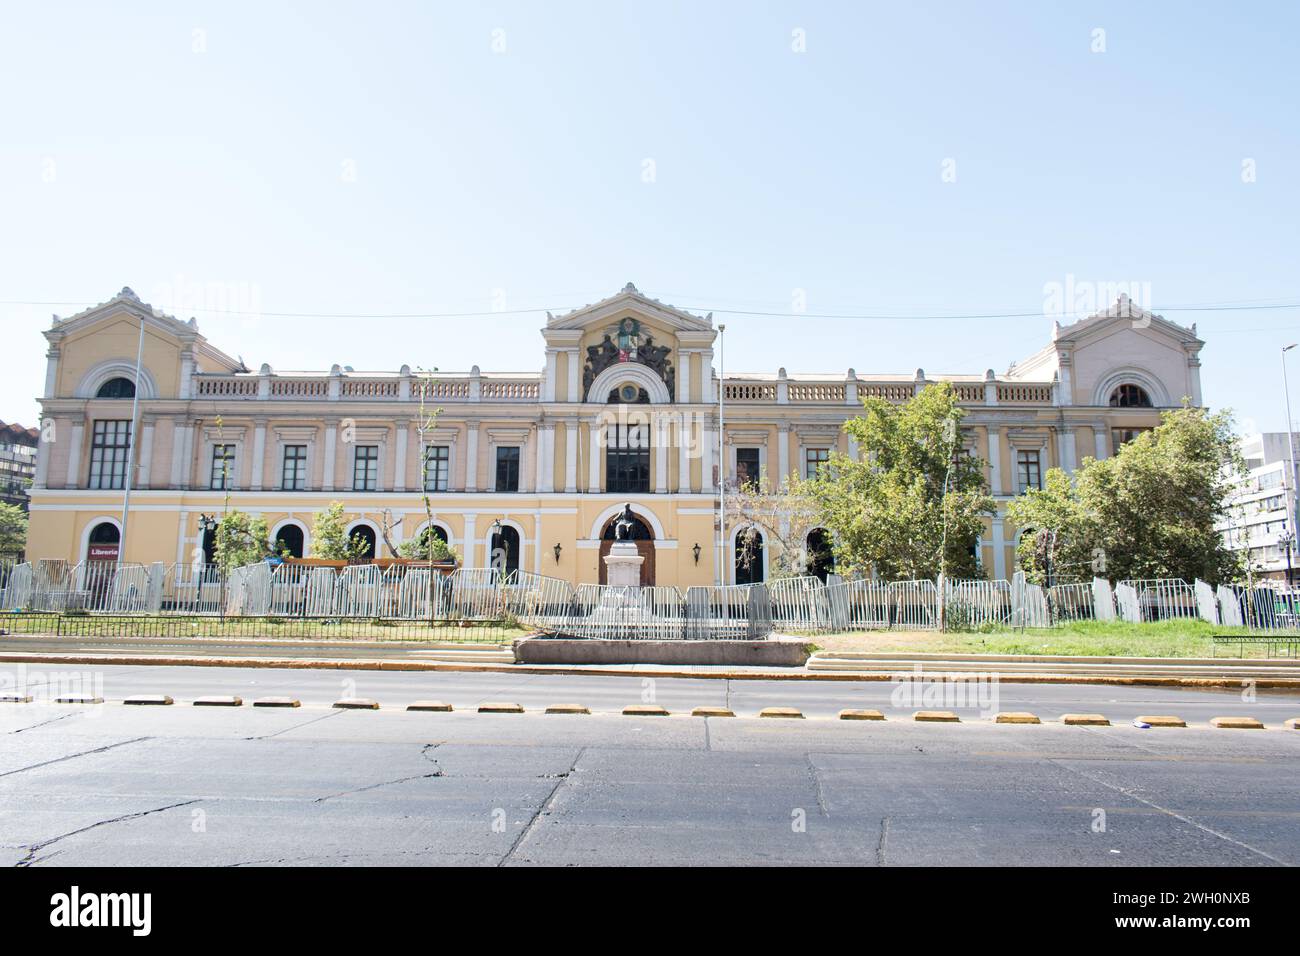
(630, 300)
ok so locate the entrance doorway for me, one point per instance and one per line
(751, 560)
(644, 540)
(503, 550)
(821, 555)
(105, 542)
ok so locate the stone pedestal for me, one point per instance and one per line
(623, 565)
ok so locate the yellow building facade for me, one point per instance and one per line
(529, 470)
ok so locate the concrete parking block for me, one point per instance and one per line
(712, 712)
(1236, 723)
(1017, 717)
(431, 706)
(936, 717)
(1292, 723)
(356, 703)
(499, 707)
(567, 709)
(1161, 720)
(791, 712)
(15, 699)
(78, 699)
(1085, 720)
(861, 715)
(644, 710)
(277, 702)
(147, 700)
(219, 701)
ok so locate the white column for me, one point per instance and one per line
(74, 455)
(706, 459)
(570, 456)
(259, 457)
(178, 454)
(187, 463)
(51, 372)
(660, 427)
(782, 456)
(471, 458)
(705, 394)
(331, 449)
(468, 545)
(995, 462)
(999, 550)
(548, 382)
(399, 457)
(593, 460)
(684, 376)
(146, 456)
(546, 456)
(1101, 446)
(1067, 449)
(575, 375)
(43, 449)
(683, 456)
(853, 447)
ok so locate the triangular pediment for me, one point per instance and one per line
(1125, 313)
(630, 299)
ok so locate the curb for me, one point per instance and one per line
(277, 702)
(1084, 720)
(499, 707)
(102, 660)
(219, 702)
(784, 712)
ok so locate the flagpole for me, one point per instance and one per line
(130, 448)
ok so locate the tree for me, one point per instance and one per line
(429, 547)
(241, 540)
(1059, 543)
(785, 517)
(329, 537)
(1150, 511)
(13, 530)
(913, 506)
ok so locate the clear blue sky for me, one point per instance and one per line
(384, 157)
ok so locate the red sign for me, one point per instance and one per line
(102, 552)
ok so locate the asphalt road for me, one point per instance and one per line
(123, 785)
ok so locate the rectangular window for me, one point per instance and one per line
(365, 468)
(1029, 470)
(223, 468)
(294, 476)
(627, 459)
(437, 468)
(108, 454)
(813, 460)
(747, 467)
(1122, 436)
(508, 468)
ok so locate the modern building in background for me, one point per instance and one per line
(18, 447)
(534, 466)
(1258, 524)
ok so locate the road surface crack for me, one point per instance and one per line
(84, 753)
(31, 859)
(817, 787)
(543, 809)
(884, 840)
(44, 723)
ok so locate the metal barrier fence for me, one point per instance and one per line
(805, 605)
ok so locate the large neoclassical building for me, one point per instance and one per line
(625, 408)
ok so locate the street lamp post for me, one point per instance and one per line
(722, 448)
(1293, 500)
(130, 449)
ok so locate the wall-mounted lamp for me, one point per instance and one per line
(207, 523)
(557, 549)
(696, 551)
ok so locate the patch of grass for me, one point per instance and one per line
(1173, 639)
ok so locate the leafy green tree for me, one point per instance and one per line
(241, 540)
(1150, 511)
(329, 537)
(784, 516)
(913, 506)
(428, 547)
(13, 530)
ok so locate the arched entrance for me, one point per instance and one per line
(821, 556)
(104, 543)
(290, 541)
(644, 540)
(367, 535)
(503, 549)
(751, 558)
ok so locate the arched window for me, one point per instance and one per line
(367, 535)
(1130, 396)
(290, 541)
(104, 543)
(503, 550)
(117, 388)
